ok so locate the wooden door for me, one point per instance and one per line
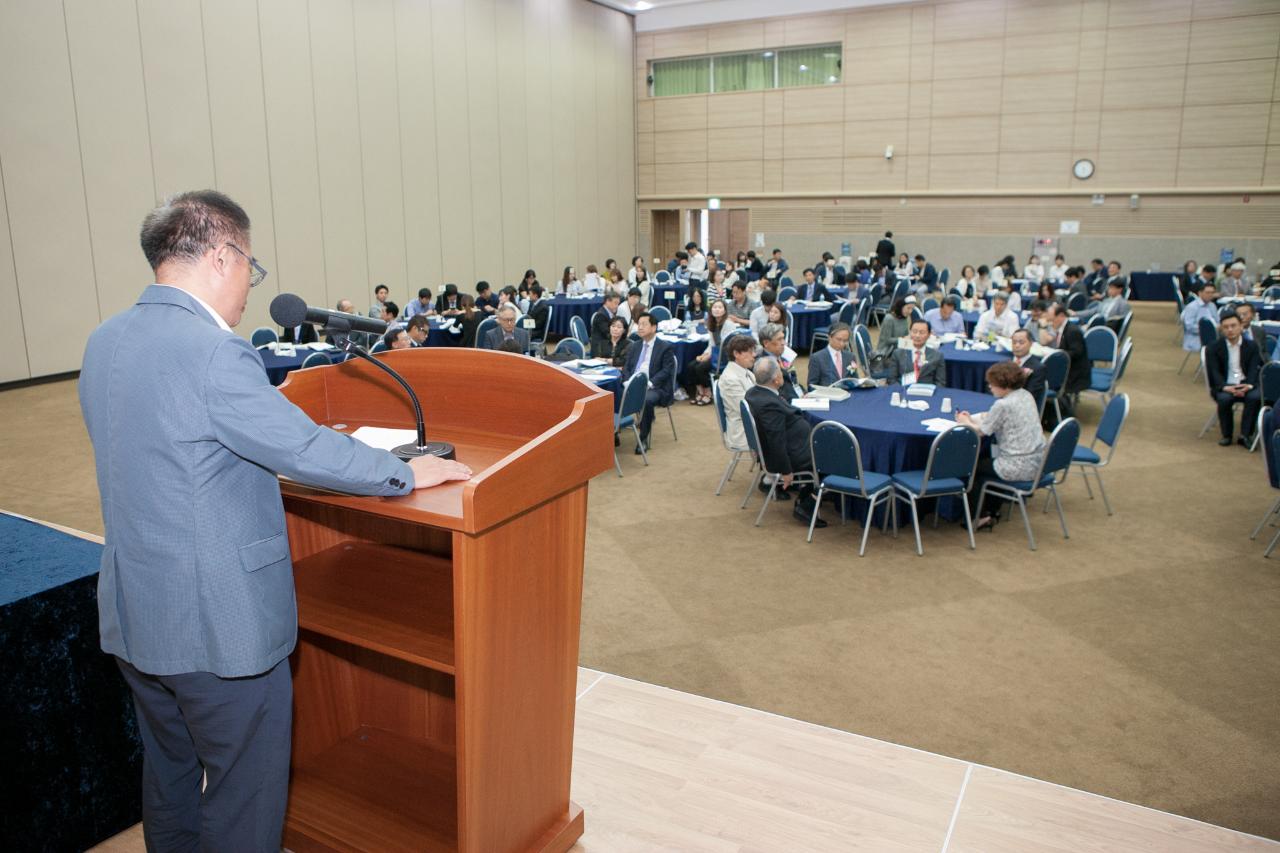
(666, 235)
(718, 231)
(739, 231)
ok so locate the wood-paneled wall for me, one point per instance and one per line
(981, 95)
(409, 142)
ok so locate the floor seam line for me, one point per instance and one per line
(955, 814)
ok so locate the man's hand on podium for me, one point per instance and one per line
(431, 471)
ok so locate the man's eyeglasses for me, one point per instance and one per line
(259, 272)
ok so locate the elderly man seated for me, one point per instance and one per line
(918, 363)
(506, 331)
(773, 339)
(783, 433)
(997, 320)
(835, 362)
(735, 381)
(946, 318)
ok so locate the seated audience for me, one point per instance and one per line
(735, 381)
(657, 359)
(506, 330)
(381, 293)
(467, 320)
(614, 346)
(632, 308)
(783, 433)
(1204, 305)
(834, 362)
(568, 284)
(697, 372)
(927, 276)
(812, 290)
(592, 282)
(983, 282)
(964, 285)
(1075, 284)
(1058, 272)
(1032, 366)
(1099, 290)
(998, 320)
(1234, 282)
(421, 305)
(1038, 323)
(1234, 366)
(603, 317)
(397, 338)
(303, 334)
(1014, 422)
(1112, 307)
(390, 313)
(1046, 292)
(539, 312)
(778, 313)
(449, 303)
(419, 328)
(1253, 330)
(360, 339)
(486, 299)
(777, 267)
(1034, 270)
(512, 346)
(634, 276)
(1097, 275)
(918, 363)
(1068, 338)
(896, 324)
(946, 318)
(773, 339)
(695, 308)
(760, 314)
(739, 306)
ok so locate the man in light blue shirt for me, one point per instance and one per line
(1202, 306)
(945, 318)
(421, 305)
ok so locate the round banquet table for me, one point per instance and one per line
(967, 369)
(564, 307)
(805, 320)
(671, 296)
(686, 348)
(893, 439)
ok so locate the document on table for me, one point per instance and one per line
(385, 439)
(812, 404)
(937, 424)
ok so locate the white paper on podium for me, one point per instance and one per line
(383, 438)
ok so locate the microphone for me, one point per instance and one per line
(289, 310)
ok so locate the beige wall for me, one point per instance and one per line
(982, 94)
(399, 141)
(987, 104)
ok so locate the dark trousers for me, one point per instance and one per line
(697, 374)
(652, 398)
(236, 732)
(1252, 403)
(985, 472)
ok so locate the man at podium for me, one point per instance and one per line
(195, 593)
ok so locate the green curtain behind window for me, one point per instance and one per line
(743, 72)
(809, 66)
(682, 77)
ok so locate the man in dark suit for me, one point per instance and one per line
(1253, 330)
(885, 250)
(1069, 339)
(828, 366)
(1233, 365)
(928, 274)
(506, 330)
(918, 363)
(783, 433)
(1113, 275)
(601, 319)
(656, 358)
(448, 303)
(1097, 275)
(1031, 365)
(539, 312)
(811, 289)
(304, 334)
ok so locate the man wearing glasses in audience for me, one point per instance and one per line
(195, 592)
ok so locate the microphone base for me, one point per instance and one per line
(443, 449)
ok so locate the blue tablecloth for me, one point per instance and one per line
(685, 351)
(806, 320)
(892, 439)
(1151, 286)
(564, 307)
(967, 369)
(669, 295)
(279, 366)
(607, 378)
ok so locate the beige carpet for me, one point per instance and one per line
(1139, 659)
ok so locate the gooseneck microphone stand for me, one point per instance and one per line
(340, 335)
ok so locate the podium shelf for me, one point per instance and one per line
(375, 791)
(391, 600)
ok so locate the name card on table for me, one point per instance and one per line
(529, 323)
(812, 404)
(668, 294)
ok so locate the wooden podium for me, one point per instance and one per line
(436, 667)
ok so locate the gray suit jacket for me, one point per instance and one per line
(933, 371)
(493, 338)
(822, 369)
(188, 435)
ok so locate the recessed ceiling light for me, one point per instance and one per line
(642, 6)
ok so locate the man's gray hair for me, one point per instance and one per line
(507, 306)
(1000, 296)
(771, 331)
(766, 368)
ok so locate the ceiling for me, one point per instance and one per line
(668, 14)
